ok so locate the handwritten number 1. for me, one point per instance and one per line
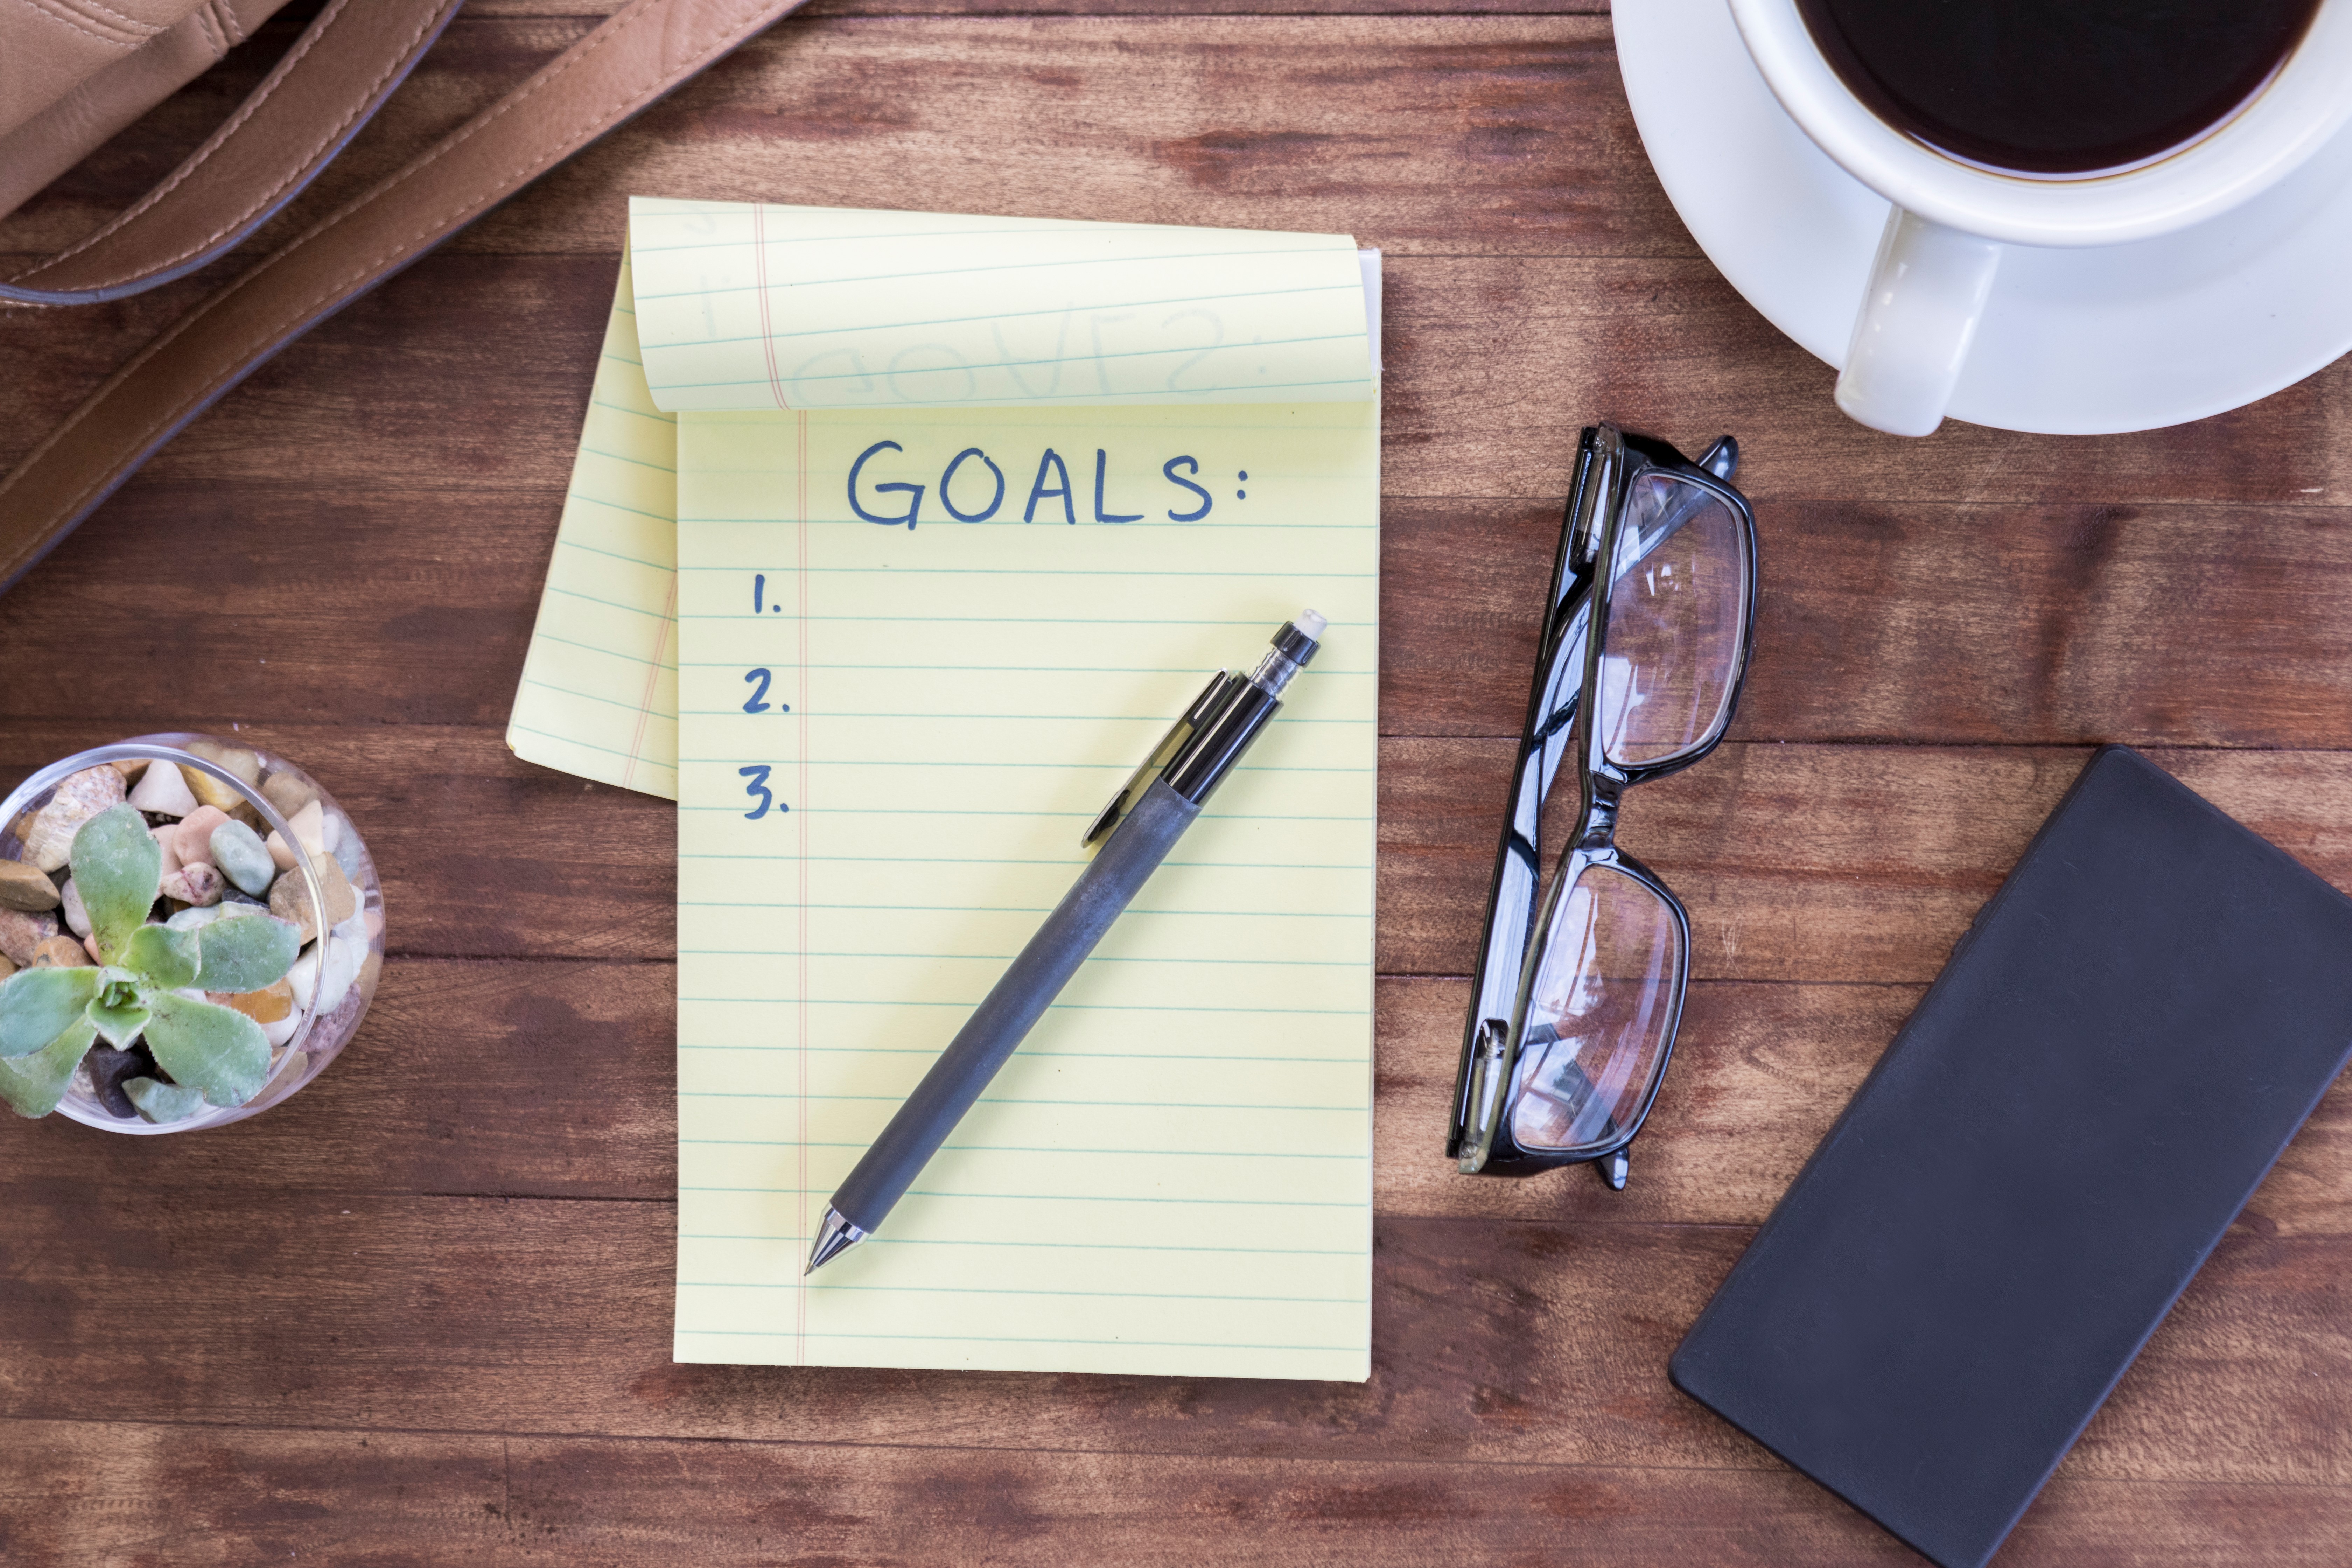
(758, 789)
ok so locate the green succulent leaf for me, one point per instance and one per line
(118, 1024)
(216, 1050)
(117, 868)
(32, 1085)
(164, 958)
(245, 953)
(36, 1004)
(161, 1102)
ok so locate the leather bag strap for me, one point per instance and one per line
(330, 83)
(632, 61)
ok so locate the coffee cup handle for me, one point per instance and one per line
(1927, 290)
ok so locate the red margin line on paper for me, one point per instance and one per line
(653, 679)
(800, 1347)
(759, 276)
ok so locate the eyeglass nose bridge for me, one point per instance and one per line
(1607, 461)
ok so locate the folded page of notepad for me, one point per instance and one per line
(599, 690)
(917, 646)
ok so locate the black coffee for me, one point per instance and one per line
(2056, 87)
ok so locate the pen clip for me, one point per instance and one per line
(1170, 744)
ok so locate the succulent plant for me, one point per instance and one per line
(150, 984)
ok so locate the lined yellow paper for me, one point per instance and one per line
(970, 510)
(599, 690)
(1173, 1174)
(749, 306)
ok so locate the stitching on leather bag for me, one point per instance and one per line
(40, 8)
(203, 18)
(245, 111)
(222, 381)
(230, 27)
(129, 24)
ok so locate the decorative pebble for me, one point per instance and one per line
(195, 844)
(199, 885)
(77, 917)
(289, 898)
(8, 966)
(108, 1068)
(309, 825)
(288, 793)
(264, 1006)
(90, 946)
(24, 887)
(22, 933)
(239, 854)
(164, 791)
(61, 952)
(167, 839)
(49, 840)
(235, 759)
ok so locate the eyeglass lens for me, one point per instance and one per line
(1597, 1014)
(1676, 609)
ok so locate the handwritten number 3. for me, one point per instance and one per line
(758, 789)
(757, 702)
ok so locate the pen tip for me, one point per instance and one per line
(833, 1237)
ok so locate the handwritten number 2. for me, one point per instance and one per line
(758, 789)
(757, 701)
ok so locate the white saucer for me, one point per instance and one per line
(2082, 342)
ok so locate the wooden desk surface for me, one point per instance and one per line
(421, 1313)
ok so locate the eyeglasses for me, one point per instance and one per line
(1576, 1002)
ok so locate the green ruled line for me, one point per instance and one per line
(1016, 1338)
(1004, 909)
(1062, 1104)
(612, 554)
(590, 697)
(1024, 1149)
(1237, 1058)
(1063, 1246)
(1074, 1006)
(1007, 957)
(975, 1291)
(595, 648)
(587, 745)
(1064, 1198)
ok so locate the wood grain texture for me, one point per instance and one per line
(278, 1495)
(554, 1080)
(2001, 625)
(1495, 1342)
(1539, 275)
(421, 1313)
(1798, 863)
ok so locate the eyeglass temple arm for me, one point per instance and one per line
(1509, 924)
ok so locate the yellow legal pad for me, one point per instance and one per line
(967, 510)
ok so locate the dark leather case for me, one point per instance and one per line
(2117, 1051)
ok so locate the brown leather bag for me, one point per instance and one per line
(72, 74)
(334, 78)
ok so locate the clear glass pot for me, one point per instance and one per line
(335, 976)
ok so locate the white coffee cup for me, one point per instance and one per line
(1943, 242)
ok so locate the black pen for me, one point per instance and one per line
(1136, 830)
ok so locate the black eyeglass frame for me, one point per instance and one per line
(1560, 722)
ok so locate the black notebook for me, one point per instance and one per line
(2113, 1058)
